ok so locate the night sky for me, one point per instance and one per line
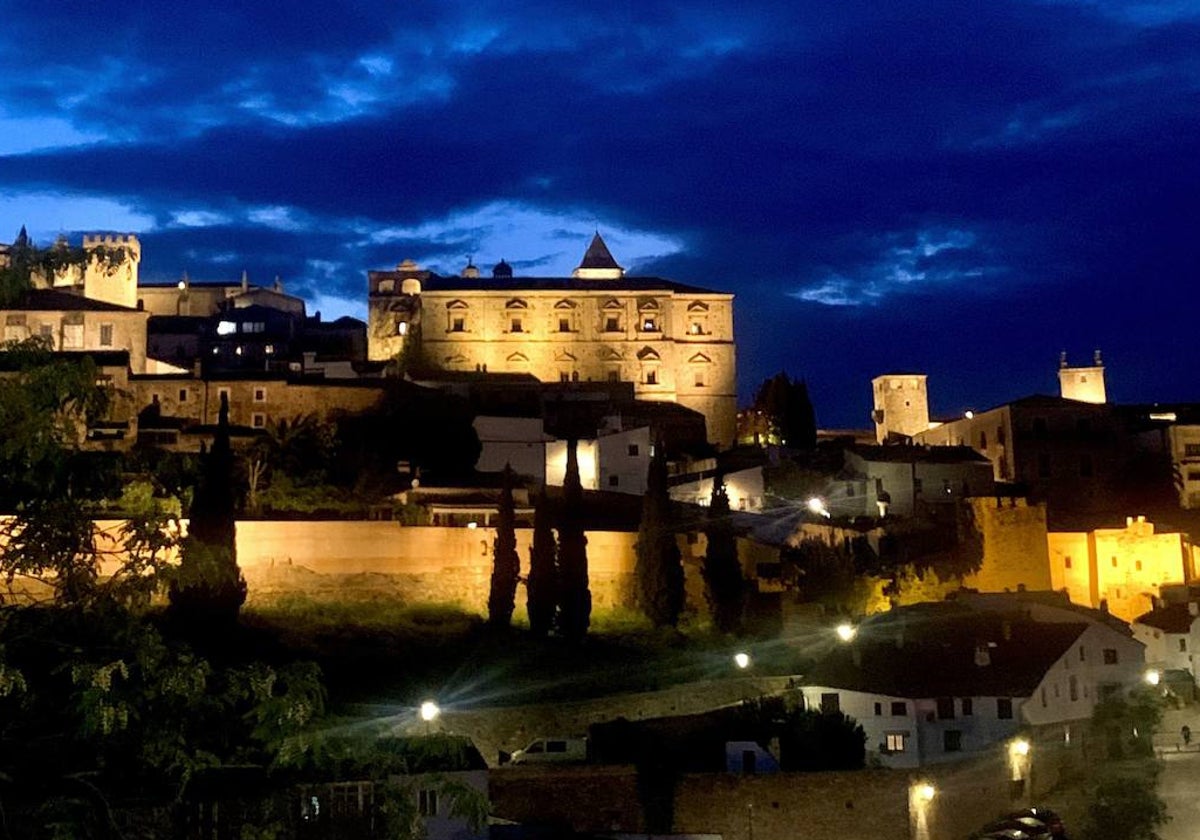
(959, 188)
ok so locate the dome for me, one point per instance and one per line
(502, 269)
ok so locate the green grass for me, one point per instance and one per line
(381, 650)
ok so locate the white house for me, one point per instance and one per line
(1171, 635)
(934, 682)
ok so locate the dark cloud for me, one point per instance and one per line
(964, 186)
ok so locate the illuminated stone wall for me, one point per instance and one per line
(901, 404)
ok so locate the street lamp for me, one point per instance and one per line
(925, 792)
(1152, 677)
(816, 505)
(1019, 747)
(742, 660)
(430, 711)
(846, 632)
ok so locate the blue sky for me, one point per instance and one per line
(960, 188)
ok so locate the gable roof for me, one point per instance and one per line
(929, 650)
(52, 300)
(1173, 618)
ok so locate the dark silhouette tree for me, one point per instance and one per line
(541, 587)
(722, 573)
(574, 596)
(786, 404)
(658, 573)
(209, 589)
(506, 563)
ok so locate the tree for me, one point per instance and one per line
(658, 572)
(506, 564)
(574, 596)
(722, 572)
(208, 589)
(789, 411)
(541, 587)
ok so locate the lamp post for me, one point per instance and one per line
(920, 799)
(846, 631)
(742, 660)
(1020, 757)
(429, 712)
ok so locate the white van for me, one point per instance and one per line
(551, 750)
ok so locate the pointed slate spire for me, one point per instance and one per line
(22, 240)
(598, 262)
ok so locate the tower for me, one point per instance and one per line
(1085, 384)
(110, 273)
(901, 405)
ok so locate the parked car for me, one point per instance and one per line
(554, 750)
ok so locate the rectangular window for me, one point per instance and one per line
(1191, 450)
(613, 481)
(968, 707)
(515, 325)
(1073, 688)
(1183, 645)
(72, 336)
(945, 708)
(564, 324)
(651, 377)
(1067, 563)
(878, 709)
(427, 803)
(614, 376)
(633, 450)
(259, 421)
(260, 394)
(649, 325)
(952, 740)
(1110, 656)
(830, 703)
(1004, 709)
(106, 335)
(899, 708)
(564, 376)
(699, 380)
(894, 741)
(183, 394)
(458, 324)
(224, 392)
(612, 324)
(1082, 654)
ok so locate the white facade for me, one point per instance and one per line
(434, 807)
(1101, 660)
(517, 441)
(1185, 458)
(745, 489)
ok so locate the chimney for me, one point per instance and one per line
(983, 656)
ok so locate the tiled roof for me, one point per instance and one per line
(930, 650)
(52, 300)
(1173, 618)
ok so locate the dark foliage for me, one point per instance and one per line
(786, 404)
(506, 564)
(541, 587)
(209, 589)
(658, 573)
(723, 581)
(574, 596)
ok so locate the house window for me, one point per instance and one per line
(183, 395)
(564, 324)
(1114, 562)
(72, 336)
(515, 325)
(1082, 654)
(259, 421)
(387, 286)
(613, 481)
(878, 709)
(699, 380)
(614, 376)
(458, 324)
(564, 376)
(1110, 656)
(1191, 450)
(402, 328)
(983, 440)
(893, 742)
(1073, 688)
(899, 708)
(649, 324)
(254, 327)
(1043, 697)
(612, 324)
(106, 335)
(1137, 564)
(945, 708)
(427, 803)
(651, 377)
(830, 703)
(1183, 645)
(1004, 710)
(952, 740)
(1067, 563)
(574, 376)
(633, 450)
(968, 707)
(260, 394)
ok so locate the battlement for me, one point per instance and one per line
(128, 241)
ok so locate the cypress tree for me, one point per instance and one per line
(542, 584)
(658, 574)
(722, 573)
(574, 597)
(506, 564)
(209, 589)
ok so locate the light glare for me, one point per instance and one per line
(429, 711)
(846, 632)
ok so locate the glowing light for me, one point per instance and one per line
(226, 328)
(182, 285)
(925, 792)
(742, 660)
(472, 524)
(970, 415)
(846, 632)
(429, 711)
(1152, 677)
(817, 505)
(1019, 747)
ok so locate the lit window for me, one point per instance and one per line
(106, 335)
(696, 328)
(269, 349)
(649, 325)
(894, 742)
(402, 328)
(226, 328)
(72, 336)
(254, 327)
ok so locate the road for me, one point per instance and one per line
(1179, 785)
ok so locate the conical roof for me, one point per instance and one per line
(598, 255)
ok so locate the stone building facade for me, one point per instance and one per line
(674, 342)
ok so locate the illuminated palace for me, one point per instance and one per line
(674, 342)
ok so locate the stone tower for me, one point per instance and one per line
(1085, 384)
(901, 405)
